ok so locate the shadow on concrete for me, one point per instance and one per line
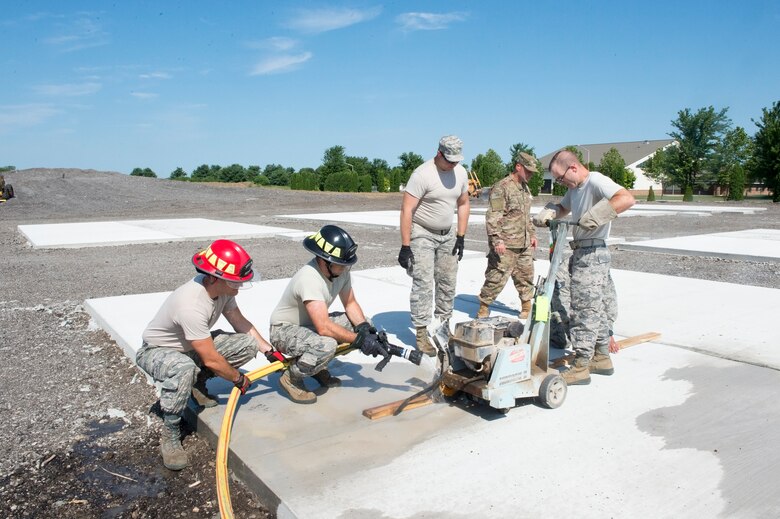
(732, 413)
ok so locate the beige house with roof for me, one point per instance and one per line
(635, 154)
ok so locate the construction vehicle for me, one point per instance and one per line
(496, 360)
(6, 190)
(475, 186)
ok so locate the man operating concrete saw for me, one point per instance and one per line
(593, 200)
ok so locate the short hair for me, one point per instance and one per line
(563, 159)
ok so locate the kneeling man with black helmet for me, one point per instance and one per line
(301, 326)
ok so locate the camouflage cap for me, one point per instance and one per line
(451, 147)
(528, 161)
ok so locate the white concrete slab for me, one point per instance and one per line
(693, 418)
(750, 245)
(92, 234)
(383, 218)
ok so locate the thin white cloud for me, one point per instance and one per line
(156, 75)
(280, 64)
(82, 33)
(68, 89)
(428, 21)
(144, 95)
(12, 116)
(276, 43)
(322, 20)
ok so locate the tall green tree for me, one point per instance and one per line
(334, 160)
(489, 168)
(614, 166)
(409, 162)
(732, 152)
(697, 135)
(278, 175)
(232, 173)
(765, 165)
(145, 172)
(178, 174)
(380, 172)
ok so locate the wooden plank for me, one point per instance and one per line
(623, 343)
(373, 413)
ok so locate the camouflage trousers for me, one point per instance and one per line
(312, 352)
(517, 263)
(175, 372)
(434, 264)
(593, 300)
(560, 315)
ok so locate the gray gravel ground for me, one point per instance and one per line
(74, 410)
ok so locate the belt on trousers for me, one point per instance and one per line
(440, 232)
(579, 244)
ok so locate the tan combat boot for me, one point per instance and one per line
(325, 379)
(484, 311)
(296, 389)
(578, 373)
(174, 457)
(201, 394)
(526, 309)
(424, 343)
(601, 364)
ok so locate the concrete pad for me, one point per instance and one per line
(696, 208)
(671, 411)
(92, 234)
(748, 245)
(383, 218)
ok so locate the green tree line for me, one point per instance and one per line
(707, 151)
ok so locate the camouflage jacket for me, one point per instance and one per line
(508, 217)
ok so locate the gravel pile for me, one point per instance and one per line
(79, 432)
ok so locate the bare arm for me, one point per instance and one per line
(318, 312)
(213, 360)
(242, 325)
(408, 206)
(622, 201)
(464, 207)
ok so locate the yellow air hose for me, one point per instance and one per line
(223, 485)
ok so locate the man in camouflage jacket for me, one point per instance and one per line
(511, 236)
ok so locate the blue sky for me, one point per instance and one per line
(118, 85)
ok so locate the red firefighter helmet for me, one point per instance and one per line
(226, 260)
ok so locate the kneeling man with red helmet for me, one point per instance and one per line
(180, 351)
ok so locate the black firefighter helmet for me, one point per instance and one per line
(333, 244)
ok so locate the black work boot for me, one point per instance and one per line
(325, 379)
(174, 457)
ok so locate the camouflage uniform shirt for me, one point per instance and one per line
(508, 217)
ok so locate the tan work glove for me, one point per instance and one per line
(598, 215)
(541, 218)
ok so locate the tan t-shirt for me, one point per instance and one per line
(186, 315)
(308, 284)
(438, 192)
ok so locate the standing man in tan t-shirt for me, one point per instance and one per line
(430, 245)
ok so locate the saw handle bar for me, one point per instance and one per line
(388, 350)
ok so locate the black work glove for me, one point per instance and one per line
(242, 383)
(372, 346)
(274, 356)
(365, 328)
(405, 257)
(458, 248)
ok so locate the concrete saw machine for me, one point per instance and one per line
(497, 360)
